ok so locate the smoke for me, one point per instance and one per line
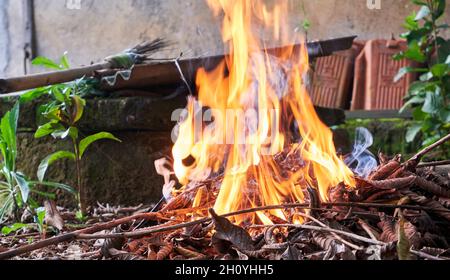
(361, 160)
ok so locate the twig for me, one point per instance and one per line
(415, 160)
(351, 245)
(434, 163)
(367, 229)
(348, 234)
(426, 256)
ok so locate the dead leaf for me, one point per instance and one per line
(377, 252)
(125, 256)
(384, 171)
(403, 243)
(52, 216)
(190, 254)
(225, 230)
(162, 167)
(116, 243)
(292, 253)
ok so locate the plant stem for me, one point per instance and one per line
(81, 193)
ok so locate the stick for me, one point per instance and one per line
(426, 256)
(351, 245)
(137, 55)
(415, 160)
(332, 230)
(434, 163)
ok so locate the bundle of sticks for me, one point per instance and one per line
(401, 211)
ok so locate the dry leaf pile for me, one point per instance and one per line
(399, 212)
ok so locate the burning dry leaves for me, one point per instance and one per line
(399, 212)
(391, 215)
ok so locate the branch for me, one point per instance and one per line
(434, 163)
(415, 160)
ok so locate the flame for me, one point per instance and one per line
(239, 121)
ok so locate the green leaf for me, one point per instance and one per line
(410, 22)
(405, 70)
(55, 186)
(23, 186)
(412, 132)
(426, 77)
(440, 70)
(417, 88)
(423, 12)
(46, 62)
(47, 195)
(412, 101)
(62, 134)
(8, 130)
(80, 217)
(33, 94)
(420, 3)
(432, 102)
(306, 25)
(48, 128)
(42, 169)
(439, 11)
(429, 141)
(6, 207)
(40, 216)
(447, 61)
(13, 228)
(86, 142)
(65, 61)
(401, 73)
(415, 53)
(57, 94)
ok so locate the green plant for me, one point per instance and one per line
(15, 189)
(62, 115)
(429, 96)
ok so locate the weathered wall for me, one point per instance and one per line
(11, 38)
(102, 27)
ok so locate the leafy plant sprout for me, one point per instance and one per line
(429, 97)
(62, 115)
(15, 189)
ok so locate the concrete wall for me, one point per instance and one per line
(102, 27)
(11, 38)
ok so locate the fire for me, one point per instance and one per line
(242, 115)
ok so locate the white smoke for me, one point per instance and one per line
(361, 160)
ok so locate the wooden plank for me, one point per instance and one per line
(167, 73)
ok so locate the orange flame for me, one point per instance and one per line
(248, 109)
